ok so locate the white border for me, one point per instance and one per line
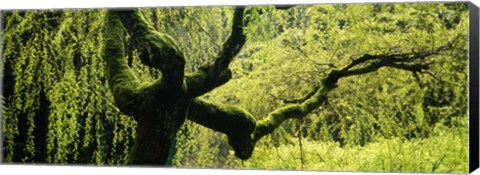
(88, 170)
(49, 4)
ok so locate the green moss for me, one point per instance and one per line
(158, 50)
(205, 80)
(159, 106)
(211, 76)
(123, 83)
(237, 123)
(278, 116)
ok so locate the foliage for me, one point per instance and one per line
(387, 104)
(57, 106)
(386, 155)
(54, 72)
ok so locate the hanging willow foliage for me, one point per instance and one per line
(57, 106)
(55, 86)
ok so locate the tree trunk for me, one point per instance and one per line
(161, 107)
(155, 133)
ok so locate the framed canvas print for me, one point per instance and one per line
(309, 87)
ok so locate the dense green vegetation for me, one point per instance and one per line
(372, 87)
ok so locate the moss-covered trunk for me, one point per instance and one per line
(155, 133)
(158, 107)
(161, 107)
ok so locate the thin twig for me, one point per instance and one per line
(300, 142)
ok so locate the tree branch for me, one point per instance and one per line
(236, 123)
(301, 100)
(232, 120)
(275, 118)
(211, 76)
(127, 90)
(123, 83)
(155, 49)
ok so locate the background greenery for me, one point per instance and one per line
(57, 107)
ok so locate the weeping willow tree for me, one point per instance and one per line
(115, 87)
(55, 91)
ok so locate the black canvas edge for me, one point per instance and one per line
(473, 87)
(1, 86)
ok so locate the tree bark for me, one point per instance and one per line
(161, 107)
(236, 123)
(158, 107)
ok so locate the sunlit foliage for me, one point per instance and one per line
(58, 108)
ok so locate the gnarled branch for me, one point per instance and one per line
(230, 117)
(123, 83)
(127, 90)
(236, 123)
(211, 76)
(158, 50)
(405, 61)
